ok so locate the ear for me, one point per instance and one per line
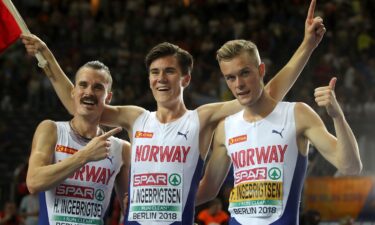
(108, 98)
(186, 80)
(262, 69)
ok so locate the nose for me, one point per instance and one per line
(239, 83)
(89, 90)
(162, 77)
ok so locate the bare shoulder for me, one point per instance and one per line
(47, 126)
(303, 110)
(305, 116)
(301, 106)
(45, 138)
(126, 150)
(125, 145)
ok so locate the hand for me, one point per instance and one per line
(98, 148)
(314, 27)
(33, 44)
(325, 96)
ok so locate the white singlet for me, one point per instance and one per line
(83, 198)
(268, 169)
(165, 171)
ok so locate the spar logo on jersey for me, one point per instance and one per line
(75, 191)
(238, 139)
(175, 179)
(274, 173)
(250, 175)
(65, 149)
(99, 195)
(142, 134)
(150, 179)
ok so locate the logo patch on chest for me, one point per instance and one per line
(142, 134)
(65, 149)
(238, 139)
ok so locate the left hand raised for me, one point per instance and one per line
(325, 97)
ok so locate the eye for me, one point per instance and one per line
(82, 84)
(170, 71)
(154, 72)
(230, 78)
(98, 87)
(245, 73)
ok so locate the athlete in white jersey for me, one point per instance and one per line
(267, 143)
(83, 197)
(268, 169)
(74, 165)
(169, 70)
(166, 168)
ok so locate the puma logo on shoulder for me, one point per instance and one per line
(278, 132)
(182, 134)
(110, 158)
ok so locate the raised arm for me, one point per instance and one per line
(112, 115)
(42, 174)
(61, 83)
(342, 151)
(279, 85)
(216, 169)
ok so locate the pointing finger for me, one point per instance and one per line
(310, 14)
(112, 132)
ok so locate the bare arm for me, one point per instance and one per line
(342, 151)
(42, 174)
(61, 83)
(112, 115)
(211, 114)
(123, 116)
(279, 86)
(214, 175)
(122, 179)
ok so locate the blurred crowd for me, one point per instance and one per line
(121, 32)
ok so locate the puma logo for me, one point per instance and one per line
(110, 158)
(279, 133)
(182, 134)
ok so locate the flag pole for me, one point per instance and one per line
(21, 23)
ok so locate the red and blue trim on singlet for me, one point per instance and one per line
(43, 213)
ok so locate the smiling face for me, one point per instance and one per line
(244, 77)
(167, 81)
(91, 92)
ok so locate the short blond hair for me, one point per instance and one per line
(234, 48)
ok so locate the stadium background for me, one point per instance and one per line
(120, 33)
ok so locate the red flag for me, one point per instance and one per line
(9, 29)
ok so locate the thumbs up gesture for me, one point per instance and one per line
(325, 97)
